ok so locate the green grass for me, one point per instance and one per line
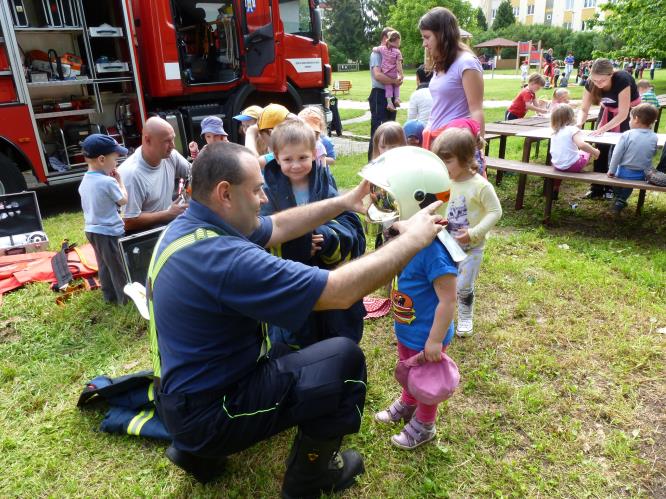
(561, 395)
(495, 89)
(347, 114)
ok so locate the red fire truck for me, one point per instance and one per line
(69, 68)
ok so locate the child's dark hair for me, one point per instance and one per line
(389, 134)
(457, 143)
(292, 132)
(562, 116)
(646, 114)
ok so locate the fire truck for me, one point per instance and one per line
(69, 68)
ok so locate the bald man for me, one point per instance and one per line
(149, 175)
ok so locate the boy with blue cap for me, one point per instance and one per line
(102, 194)
(413, 132)
(212, 130)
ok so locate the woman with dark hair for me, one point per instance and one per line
(420, 103)
(457, 83)
(616, 93)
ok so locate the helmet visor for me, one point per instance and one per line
(384, 207)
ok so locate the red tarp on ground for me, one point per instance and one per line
(17, 270)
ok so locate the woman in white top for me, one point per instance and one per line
(420, 103)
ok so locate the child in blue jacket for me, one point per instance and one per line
(291, 179)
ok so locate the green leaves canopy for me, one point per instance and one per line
(405, 15)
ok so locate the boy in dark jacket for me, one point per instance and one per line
(291, 179)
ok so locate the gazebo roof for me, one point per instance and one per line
(496, 42)
(466, 34)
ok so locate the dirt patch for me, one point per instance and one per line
(652, 445)
(8, 332)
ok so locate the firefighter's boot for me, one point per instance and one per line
(203, 469)
(316, 465)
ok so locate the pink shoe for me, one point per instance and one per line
(396, 411)
(414, 434)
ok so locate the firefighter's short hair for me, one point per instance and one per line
(217, 162)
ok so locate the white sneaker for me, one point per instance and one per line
(465, 323)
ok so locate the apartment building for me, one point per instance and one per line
(572, 14)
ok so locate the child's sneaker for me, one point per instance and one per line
(465, 323)
(414, 433)
(396, 411)
(390, 106)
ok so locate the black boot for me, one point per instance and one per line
(203, 469)
(315, 466)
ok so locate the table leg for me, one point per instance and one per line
(640, 202)
(548, 208)
(502, 151)
(520, 195)
(527, 149)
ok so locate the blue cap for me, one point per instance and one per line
(413, 128)
(212, 124)
(98, 144)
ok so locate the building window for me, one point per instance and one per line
(530, 9)
(567, 25)
(516, 11)
(493, 14)
(582, 26)
(569, 5)
(589, 3)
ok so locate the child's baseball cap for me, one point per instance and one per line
(413, 128)
(98, 144)
(272, 116)
(249, 113)
(212, 124)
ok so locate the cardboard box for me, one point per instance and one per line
(21, 228)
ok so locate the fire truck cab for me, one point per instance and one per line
(69, 68)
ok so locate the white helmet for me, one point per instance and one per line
(405, 180)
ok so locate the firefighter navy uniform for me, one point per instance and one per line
(222, 388)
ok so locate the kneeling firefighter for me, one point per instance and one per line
(212, 290)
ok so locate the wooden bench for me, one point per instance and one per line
(550, 174)
(343, 86)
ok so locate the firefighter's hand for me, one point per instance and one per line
(194, 147)
(176, 208)
(424, 225)
(354, 199)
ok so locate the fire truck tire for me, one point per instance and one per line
(11, 179)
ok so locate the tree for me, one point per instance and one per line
(504, 16)
(638, 24)
(345, 28)
(377, 17)
(405, 15)
(481, 19)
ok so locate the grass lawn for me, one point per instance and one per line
(495, 89)
(562, 387)
(562, 390)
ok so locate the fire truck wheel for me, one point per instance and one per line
(11, 179)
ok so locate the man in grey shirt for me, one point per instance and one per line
(378, 112)
(150, 176)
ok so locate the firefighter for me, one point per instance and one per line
(212, 288)
(150, 175)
